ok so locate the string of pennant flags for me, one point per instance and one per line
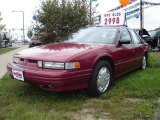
(133, 9)
(121, 6)
(132, 2)
(134, 13)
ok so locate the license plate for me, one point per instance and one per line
(18, 74)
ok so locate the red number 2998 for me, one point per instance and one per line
(114, 20)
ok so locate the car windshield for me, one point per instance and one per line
(93, 35)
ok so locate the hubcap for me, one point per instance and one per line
(103, 79)
(144, 64)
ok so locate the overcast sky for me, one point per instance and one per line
(14, 19)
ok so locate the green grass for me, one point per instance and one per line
(133, 97)
(5, 50)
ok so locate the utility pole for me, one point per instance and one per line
(141, 18)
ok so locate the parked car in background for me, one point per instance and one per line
(90, 58)
(6, 43)
(156, 36)
(148, 39)
(6, 40)
(35, 41)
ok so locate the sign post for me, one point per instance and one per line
(141, 18)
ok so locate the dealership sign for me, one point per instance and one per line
(113, 18)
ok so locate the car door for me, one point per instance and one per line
(137, 48)
(125, 53)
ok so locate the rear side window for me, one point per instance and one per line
(124, 34)
(135, 38)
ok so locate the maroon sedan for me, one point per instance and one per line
(89, 59)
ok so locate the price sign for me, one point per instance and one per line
(113, 18)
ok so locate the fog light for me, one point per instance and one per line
(50, 86)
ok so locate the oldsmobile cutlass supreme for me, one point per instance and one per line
(88, 59)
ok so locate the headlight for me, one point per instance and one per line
(58, 66)
(53, 65)
(72, 65)
(16, 59)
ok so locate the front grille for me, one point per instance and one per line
(32, 61)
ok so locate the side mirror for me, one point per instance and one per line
(124, 41)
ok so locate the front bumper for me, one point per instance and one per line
(54, 80)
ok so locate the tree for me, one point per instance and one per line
(1, 28)
(30, 33)
(61, 17)
(1, 25)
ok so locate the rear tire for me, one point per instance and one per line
(150, 47)
(101, 79)
(144, 63)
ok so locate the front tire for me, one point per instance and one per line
(101, 79)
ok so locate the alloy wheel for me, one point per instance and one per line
(103, 79)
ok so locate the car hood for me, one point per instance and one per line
(58, 52)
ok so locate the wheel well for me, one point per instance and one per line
(108, 59)
(146, 54)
